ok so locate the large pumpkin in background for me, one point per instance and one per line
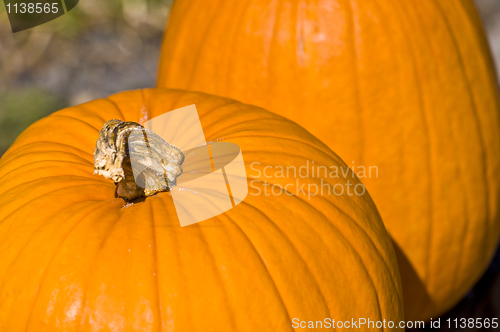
(404, 86)
(75, 258)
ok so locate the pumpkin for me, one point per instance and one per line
(77, 258)
(407, 87)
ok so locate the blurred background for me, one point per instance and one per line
(103, 47)
(96, 49)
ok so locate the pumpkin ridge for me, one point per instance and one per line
(382, 257)
(292, 245)
(351, 29)
(41, 161)
(479, 129)
(430, 237)
(86, 283)
(426, 121)
(83, 110)
(242, 111)
(117, 108)
(261, 259)
(41, 143)
(228, 55)
(35, 162)
(51, 260)
(339, 160)
(56, 176)
(218, 133)
(38, 143)
(156, 269)
(275, 29)
(299, 32)
(199, 51)
(57, 114)
(13, 212)
(349, 243)
(218, 272)
(21, 153)
(232, 103)
(485, 64)
(29, 241)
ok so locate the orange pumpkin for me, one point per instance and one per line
(75, 258)
(407, 87)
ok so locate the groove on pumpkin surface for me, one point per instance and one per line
(289, 244)
(40, 284)
(87, 310)
(21, 168)
(382, 257)
(479, 131)
(353, 30)
(426, 127)
(156, 268)
(352, 219)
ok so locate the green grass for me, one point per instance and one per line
(19, 109)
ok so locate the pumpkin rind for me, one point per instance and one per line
(407, 86)
(74, 258)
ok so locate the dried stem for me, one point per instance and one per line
(138, 160)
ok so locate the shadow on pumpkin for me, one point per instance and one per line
(413, 288)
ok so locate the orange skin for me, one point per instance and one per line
(406, 86)
(74, 258)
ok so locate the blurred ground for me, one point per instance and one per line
(43, 69)
(118, 42)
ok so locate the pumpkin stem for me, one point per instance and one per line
(138, 160)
